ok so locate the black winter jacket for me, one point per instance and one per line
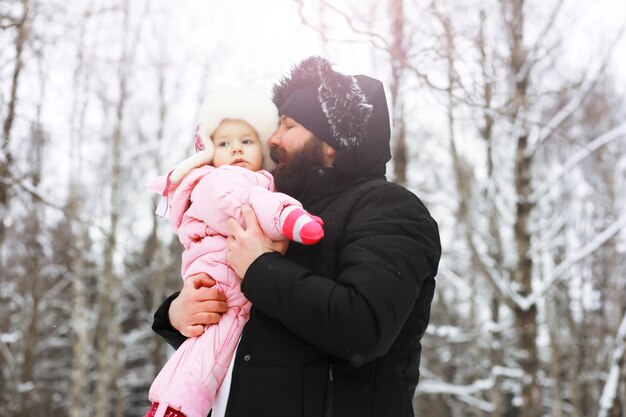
(335, 328)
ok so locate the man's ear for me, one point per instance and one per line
(329, 151)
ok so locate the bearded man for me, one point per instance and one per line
(335, 327)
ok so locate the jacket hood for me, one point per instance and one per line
(370, 157)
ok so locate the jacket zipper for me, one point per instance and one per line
(306, 184)
(328, 406)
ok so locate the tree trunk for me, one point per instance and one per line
(7, 126)
(108, 330)
(497, 356)
(495, 249)
(80, 322)
(26, 398)
(109, 287)
(397, 59)
(32, 290)
(157, 252)
(525, 320)
(556, 364)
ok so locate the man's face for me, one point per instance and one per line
(289, 136)
(296, 152)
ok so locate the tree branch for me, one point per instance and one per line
(611, 385)
(39, 195)
(324, 35)
(377, 40)
(618, 132)
(375, 37)
(533, 55)
(578, 255)
(466, 393)
(546, 131)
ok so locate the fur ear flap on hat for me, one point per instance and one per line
(203, 156)
(196, 160)
(343, 103)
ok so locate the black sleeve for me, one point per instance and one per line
(162, 326)
(390, 246)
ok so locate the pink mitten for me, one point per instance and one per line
(300, 226)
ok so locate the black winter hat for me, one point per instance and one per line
(348, 112)
(326, 102)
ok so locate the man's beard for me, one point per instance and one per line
(292, 170)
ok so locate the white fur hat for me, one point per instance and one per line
(230, 103)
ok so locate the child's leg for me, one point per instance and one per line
(174, 387)
(190, 379)
(300, 226)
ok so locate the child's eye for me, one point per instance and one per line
(248, 141)
(223, 144)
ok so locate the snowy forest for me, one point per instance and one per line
(508, 122)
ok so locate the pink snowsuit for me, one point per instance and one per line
(199, 207)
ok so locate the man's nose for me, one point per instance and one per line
(274, 140)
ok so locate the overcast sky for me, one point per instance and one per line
(269, 35)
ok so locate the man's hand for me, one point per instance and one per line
(245, 245)
(198, 304)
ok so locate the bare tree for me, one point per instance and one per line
(108, 326)
(81, 324)
(21, 25)
(508, 221)
(521, 160)
(398, 53)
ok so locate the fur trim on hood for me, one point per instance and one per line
(343, 104)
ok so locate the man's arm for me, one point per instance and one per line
(185, 313)
(162, 326)
(391, 246)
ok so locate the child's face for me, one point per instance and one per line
(236, 143)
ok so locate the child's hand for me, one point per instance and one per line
(200, 303)
(300, 226)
